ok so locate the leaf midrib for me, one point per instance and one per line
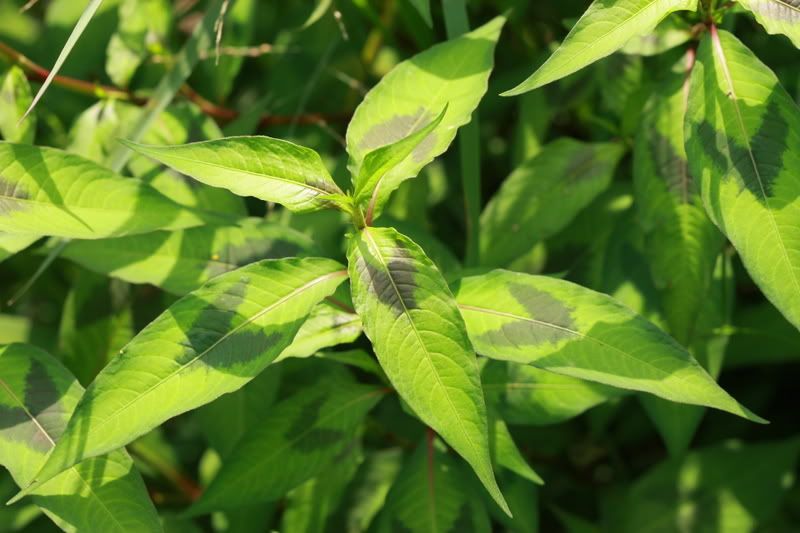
(428, 357)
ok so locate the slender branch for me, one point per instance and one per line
(38, 73)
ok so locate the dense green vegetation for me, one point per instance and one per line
(399, 265)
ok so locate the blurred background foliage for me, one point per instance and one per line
(296, 69)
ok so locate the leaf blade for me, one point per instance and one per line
(398, 291)
(218, 337)
(562, 327)
(602, 30)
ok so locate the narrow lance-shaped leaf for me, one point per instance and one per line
(543, 195)
(208, 343)
(37, 396)
(409, 314)
(565, 328)
(602, 30)
(453, 74)
(777, 16)
(294, 441)
(15, 96)
(181, 261)
(681, 242)
(432, 493)
(46, 191)
(270, 169)
(742, 138)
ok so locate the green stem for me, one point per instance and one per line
(457, 23)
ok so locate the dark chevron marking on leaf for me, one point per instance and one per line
(397, 128)
(394, 284)
(553, 320)
(755, 176)
(305, 439)
(40, 420)
(216, 318)
(673, 167)
(9, 191)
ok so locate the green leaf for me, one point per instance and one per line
(371, 486)
(214, 340)
(293, 442)
(742, 134)
(420, 340)
(424, 9)
(543, 195)
(37, 396)
(432, 493)
(75, 34)
(15, 97)
(225, 420)
(605, 28)
(181, 261)
(143, 26)
(328, 325)
(777, 16)
(374, 183)
(270, 169)
(453, 74)
(505, 452)
(96, 322)
(731, 488)
(526, 395)
(11, 243)
(681, 242)
(309, 507)
(45, 191)
(558, 326)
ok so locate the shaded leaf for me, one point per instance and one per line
(543, 195)
(15, 97)
(181, 261)
(293, 442)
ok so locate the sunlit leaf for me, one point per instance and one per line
(37, 396)
(210, 342)
(420, 340)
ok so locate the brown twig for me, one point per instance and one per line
(36, 72)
